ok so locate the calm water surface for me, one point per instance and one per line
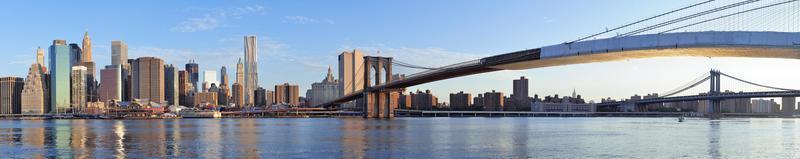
(403, 138)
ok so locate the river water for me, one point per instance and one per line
(402, 138)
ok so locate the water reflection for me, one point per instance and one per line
(401, 138)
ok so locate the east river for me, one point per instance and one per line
(402, 138)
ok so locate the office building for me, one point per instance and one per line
(87, 48)
(237, 94)
(287, 94)
(34, 92)
(78, 89)
(324, 91)
(269, 97)
(60, 68)
(250, 67)
(10, 98)
(110, 84)
(194, 74)
(351, 74)
(148, 79)
(787, 106)
(119, 53)
(185, 89)
(171, 92)
(206, 99)
(260, 97)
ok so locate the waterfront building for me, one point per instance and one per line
(110, 84)
(203, 99)
(185, 89)
(287, 94)
(520, 99)
(171, 92)
(324, 91)
(424, 100)
(460, 101)
(477, 102)
(148, 79)
(237, 95)
(404, 101)
(250, 67)
(787, 106)
(269, 97)
(194, 74)
(738, 105)
(351, 74)
(260, 97)
(764, 106)
(493, 101)
(59, 67)
(564, 106)
(34, 100)
(78, 88)
(10, 95)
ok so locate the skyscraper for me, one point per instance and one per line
(171, 85)
(33, 93)
(60, 68)
(185, 89)
(78, 88)
(87, 48)
(287, 94)
(351, 74)
(210, 77)
(111, 84)
(10, 99)
(40, 56)
(250, 67)
(351, 71)
(75, 54)
(237, 97)
(148, 79)
(239, 72)
(119, 53)
(194, 74)
(223, 75)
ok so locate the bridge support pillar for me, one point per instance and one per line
(787, 106)
(378, 102)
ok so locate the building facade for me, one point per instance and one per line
(424, 100)
(10, 98)
(59, 67)
(324, 91)
(78, 89)
(287, 94)
(110, 84)
(237, 95)
(171, 85)
(194, 74)
(460, 101)
(493, 101)
(148, 79)
(520, 100)
(34, 100)
(250, 67)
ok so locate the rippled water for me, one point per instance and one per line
(403, 138)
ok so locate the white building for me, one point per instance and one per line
(210, 77)
(324, 91)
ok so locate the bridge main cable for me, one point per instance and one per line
(684, 18)
(756, 84)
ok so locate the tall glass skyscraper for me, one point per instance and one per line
(194, 74)
(60, 68)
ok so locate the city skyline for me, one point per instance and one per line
(288, 44)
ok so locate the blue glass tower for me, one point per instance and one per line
(60, 66)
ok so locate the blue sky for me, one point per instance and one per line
(298, 40)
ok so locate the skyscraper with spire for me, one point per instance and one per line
(250, 68)
(40, 56)
(87, 48)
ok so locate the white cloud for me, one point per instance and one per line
(305, 20)
(216, 18)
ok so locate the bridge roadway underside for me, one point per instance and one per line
(701, 51)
